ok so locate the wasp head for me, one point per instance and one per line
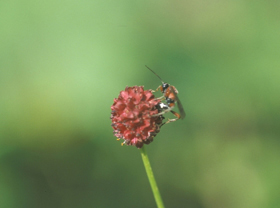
(164, 86)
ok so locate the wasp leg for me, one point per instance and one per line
(160, 98)
(165, 111)
(158, 88)
(172, 120)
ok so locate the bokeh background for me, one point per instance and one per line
(63, 62)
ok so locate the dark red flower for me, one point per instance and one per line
(132, 116)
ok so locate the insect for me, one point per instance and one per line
(170, 96)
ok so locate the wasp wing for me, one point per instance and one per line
(179, 104)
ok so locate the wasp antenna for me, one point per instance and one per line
(155, 73)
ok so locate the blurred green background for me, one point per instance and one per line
(63, 62)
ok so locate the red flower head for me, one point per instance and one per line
(132, 118)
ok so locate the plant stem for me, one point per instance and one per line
(151, 178)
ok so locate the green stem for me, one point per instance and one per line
(151, 177)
